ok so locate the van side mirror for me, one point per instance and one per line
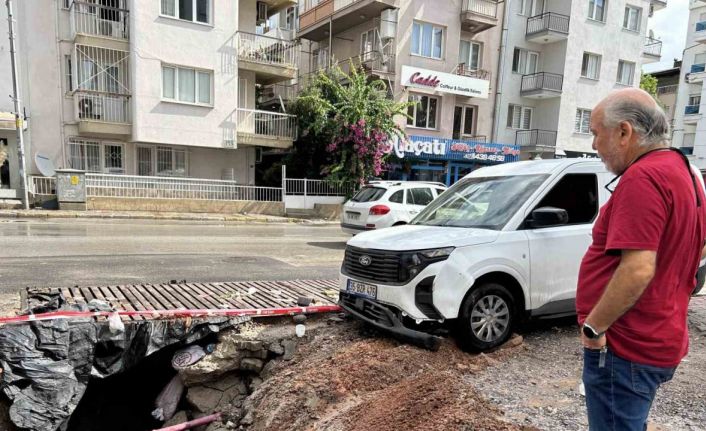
(547, 217)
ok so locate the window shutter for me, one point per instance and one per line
(527, 119)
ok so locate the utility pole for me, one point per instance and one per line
(18, 111)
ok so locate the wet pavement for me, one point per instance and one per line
(70, 252)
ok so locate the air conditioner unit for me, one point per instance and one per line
(261, 13)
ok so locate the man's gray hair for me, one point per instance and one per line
(649, 122)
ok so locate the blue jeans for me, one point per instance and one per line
(619, 393)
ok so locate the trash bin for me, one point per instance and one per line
(71, 189)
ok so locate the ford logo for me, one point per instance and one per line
(365, 260)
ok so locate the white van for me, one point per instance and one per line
(503, 244)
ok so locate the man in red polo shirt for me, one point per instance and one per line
(636, 278)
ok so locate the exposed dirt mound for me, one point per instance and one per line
(340, 381)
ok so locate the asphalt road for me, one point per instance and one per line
(59, 252)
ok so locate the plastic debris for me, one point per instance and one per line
(168, 400)
(187, 356)
(98, 305)
(582, 389)
(300, 330)
(115, 323)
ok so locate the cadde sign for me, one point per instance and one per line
(425, 79)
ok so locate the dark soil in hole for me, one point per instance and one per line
(125, 401)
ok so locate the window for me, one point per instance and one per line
(423, 112)
(368, 194)
(519, 117)
(582, 124)
(577, 194)
(188, 10)
(369, 41)
(96, 156)
(470, 54)
(591, 66)
(320, 58)
(531, 7)
(164, 161)
(439, 191)
(145, 161)
(68, 73)
(631, 21)
(464, 121)
(695, 100)
(419, 196)
(186, 85)
(626, 72)
(397, 197)
(525, 62)
(427, 40)
(596, 9)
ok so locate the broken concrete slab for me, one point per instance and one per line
(178, 418)
(251, 364)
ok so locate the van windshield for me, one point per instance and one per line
(483, 202)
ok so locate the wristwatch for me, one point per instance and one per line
(590, 332)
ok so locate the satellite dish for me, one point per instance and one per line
(45, 166)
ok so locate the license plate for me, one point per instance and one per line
(362, 289)
(352, 215)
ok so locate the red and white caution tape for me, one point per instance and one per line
(160, 314)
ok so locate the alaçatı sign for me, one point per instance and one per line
(427, 147)
(425, 79)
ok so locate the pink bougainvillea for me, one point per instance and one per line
(365, 144)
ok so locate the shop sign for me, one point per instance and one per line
(442, 82)
(426, 147)
(580, 155)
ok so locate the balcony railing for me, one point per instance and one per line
(547, 21)
(542, 81)
(266, 50)
(697, 68)
(691, 110)
(535, 138)
(273, 125)
(96, 20)
(667, 89)
(487, 8)
(463, 70)
(652, 47)
(103, 107)
(701, 26)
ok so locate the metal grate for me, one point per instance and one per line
(384, 265)
(184, 296)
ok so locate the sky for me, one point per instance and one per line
(669, 25)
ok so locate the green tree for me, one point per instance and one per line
(346, 122)
(649, 84)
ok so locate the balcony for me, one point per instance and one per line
(700, 35)
(667, 89)
(104, 26)
(372, 63)
(104, 114)
(479, 15)
(536, 141)
(274, 95)
(548, 27)
(541, 85)
(652, 50)
(696, 74)
(314, 15)
(463, 70)
(264, 128)
(277, 5)
(271, 59)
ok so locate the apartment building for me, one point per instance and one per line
(158, 88)
(560, 58)
(667, 87)
(689, 133)
(443, 58)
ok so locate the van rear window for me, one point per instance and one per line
(369, 194)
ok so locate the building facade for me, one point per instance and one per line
(667, 87)
(689, 131)
(164, 88)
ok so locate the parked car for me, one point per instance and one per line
(382, 204)
(503, 244)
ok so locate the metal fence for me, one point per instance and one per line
(45, 186)
(109, 108)
(98, 20)
(481, 7)
(306, 187)
(542, 81)
(266, 50)
(132, 186)
(266, 124)
(535, 138)
(465, 70)
(652, 47)
(547, 21)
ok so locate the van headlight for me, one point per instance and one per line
(413, 262)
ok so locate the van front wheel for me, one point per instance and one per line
(486, 318)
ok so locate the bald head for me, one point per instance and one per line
(638, 108)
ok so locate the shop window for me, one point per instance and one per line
(424, 111)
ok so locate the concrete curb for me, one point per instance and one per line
(128, 215)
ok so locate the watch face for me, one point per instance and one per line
(588, 332)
